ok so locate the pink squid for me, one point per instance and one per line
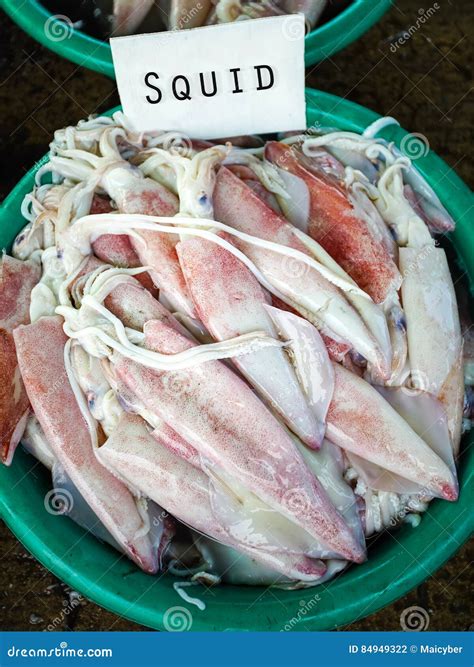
(41, 356)
(187, 493)
(335, 224)
(134, 194)
(304, 288)
(17, 279)
(217, 413)
(230, 302)
(361, 421)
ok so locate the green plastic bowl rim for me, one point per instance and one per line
(397, 563)
(95, 54)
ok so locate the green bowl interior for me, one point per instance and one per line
(95, 54)
(398, 562)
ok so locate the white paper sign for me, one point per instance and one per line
(217, 81)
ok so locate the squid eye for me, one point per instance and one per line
(401, 323)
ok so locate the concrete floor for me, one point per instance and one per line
(425, 83)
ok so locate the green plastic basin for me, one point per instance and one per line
(397, 562)
(95, 54)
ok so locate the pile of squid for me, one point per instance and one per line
(238, 360)
(125, 17)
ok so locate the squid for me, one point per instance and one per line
(226, 388)
(347, 225)
(126, 17)
(229, 301)
(341, 229)
(72, 504)
(133, 193)
(410, 209)
(306, 290)
(187, 493)
(429, 301)
(408, 457)
(370, 154)
(361, 422)
(250, 430)
(17, 279)
(41, 357)
(138, 397)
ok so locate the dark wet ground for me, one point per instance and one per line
(425, 83)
